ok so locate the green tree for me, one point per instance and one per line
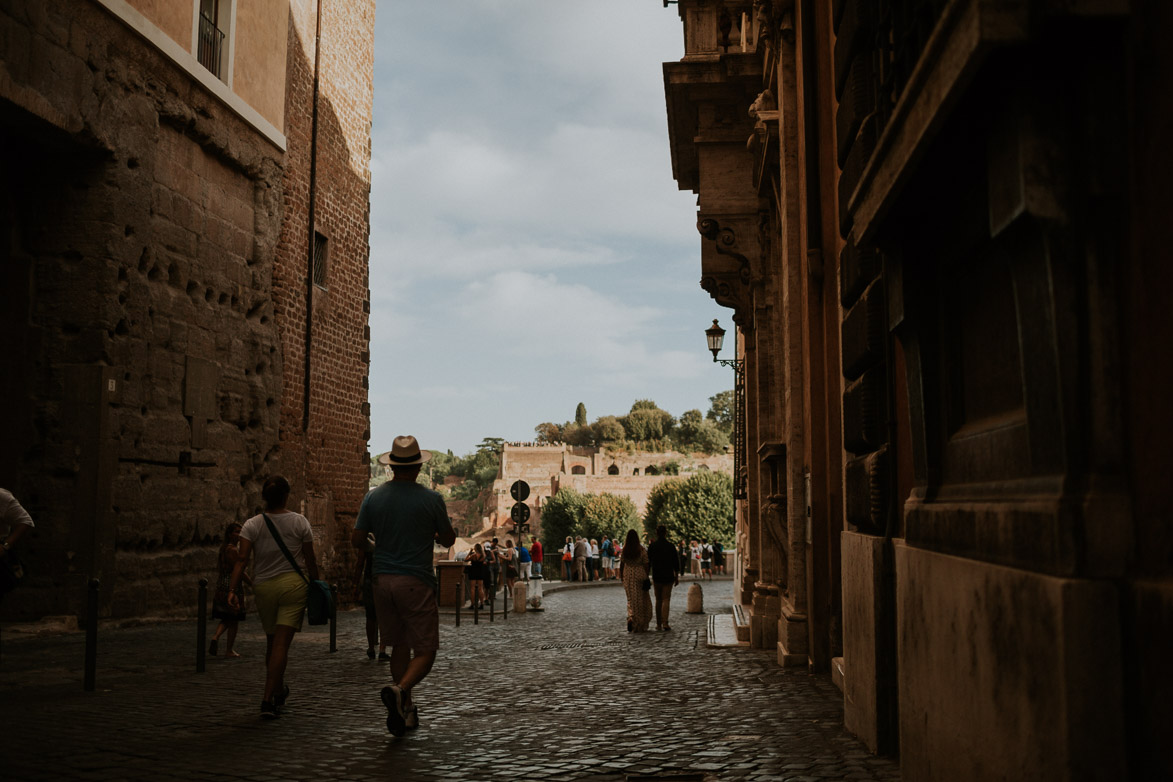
(580, 417)
(608, 429)
(573, 434)
(721, 411)
(548, 433)
(700, 506)
(644, 423)
(561, 516)
(608, 514)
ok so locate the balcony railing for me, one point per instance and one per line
(211, 45)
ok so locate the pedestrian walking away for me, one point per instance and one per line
(509, 563)
(281, 544)
(706, 558)
(665, 566)
(718, 558)
(230, 618)
(535, 551)
(408, 520)
(524, 561)
(633, 569)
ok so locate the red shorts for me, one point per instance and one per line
(407, 613)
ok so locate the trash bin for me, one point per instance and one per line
(533, 594)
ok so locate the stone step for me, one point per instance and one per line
(741, 622)
(721, 631)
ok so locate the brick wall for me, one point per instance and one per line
(325, 454)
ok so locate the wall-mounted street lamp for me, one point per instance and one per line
(715, 337)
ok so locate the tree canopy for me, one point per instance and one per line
(721, 411)
(700, 507)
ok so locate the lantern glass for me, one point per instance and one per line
(716, 338)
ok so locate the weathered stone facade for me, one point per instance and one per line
(930, 220)
(146, 347)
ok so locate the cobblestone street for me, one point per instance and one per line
(565, 694)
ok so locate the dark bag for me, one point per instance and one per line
(647, 584)
(319, 601)
(11, 572)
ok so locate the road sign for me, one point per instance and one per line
(519, 513)
(519, 491)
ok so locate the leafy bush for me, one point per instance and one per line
(700, 506)
(607, 514)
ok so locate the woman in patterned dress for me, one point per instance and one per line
(229, 617)
(633, 569)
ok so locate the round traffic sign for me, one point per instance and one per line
(519, 490)
(519, 513)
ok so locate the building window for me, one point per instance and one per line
(211, 46)
(321, 257)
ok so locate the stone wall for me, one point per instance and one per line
(151, 310)
(140, 217)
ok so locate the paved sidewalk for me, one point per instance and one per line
(566, 694)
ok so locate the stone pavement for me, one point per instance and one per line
(566, 694)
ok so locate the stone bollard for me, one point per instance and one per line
(696, 600)
(519, 600)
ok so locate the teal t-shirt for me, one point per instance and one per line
(405, 518)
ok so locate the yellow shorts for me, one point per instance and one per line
(280, 601)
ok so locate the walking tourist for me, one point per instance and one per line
(684, 555)
(694, 559)
(493, 560)
(15, 521)
(665, 569)
(633, 569)
(478, 576)
(706, 558)
(281, 544)
(408, 519)
(365, 579)
(582, 552)
(568, 559)
(524, 561)
(606, 552)
(718, 558)
(593, 564)
(535, 551)
(508, 557)
(229, 617)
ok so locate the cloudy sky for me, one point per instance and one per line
(529, 248)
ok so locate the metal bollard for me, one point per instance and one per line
(459, 600)
(492, 607)
(505, 598)
(201, 624)
(333, 617)
(91, 634)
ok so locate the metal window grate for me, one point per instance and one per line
(321, 256)
(211, 44)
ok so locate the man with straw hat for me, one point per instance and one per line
(407, 520)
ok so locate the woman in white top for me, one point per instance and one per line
(278, 588)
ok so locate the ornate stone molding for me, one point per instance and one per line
(730, 277)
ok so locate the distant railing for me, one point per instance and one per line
(211, 45)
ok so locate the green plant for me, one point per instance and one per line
(700, 506)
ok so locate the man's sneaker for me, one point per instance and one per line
(393, 698)
(383, 657)
(279, 698)
(269, 711)
(370, 653)
(412, 721)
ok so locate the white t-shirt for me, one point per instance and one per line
(594, 550)
(11, 512)
(268, 560)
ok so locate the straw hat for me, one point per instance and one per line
(405, 451)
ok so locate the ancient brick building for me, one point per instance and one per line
(590, 470)
(937, 225)
(163, 164)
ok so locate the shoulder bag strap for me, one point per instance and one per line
(284, 548)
